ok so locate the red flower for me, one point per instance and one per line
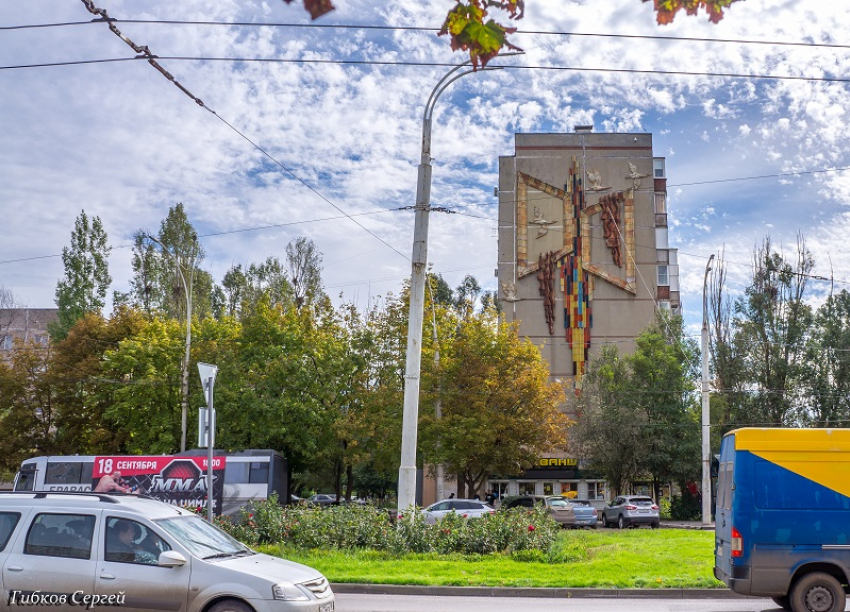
(531, 527)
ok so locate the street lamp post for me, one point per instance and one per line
(187, 288)
(419, 260)
(706, 421)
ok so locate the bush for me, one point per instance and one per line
(685, 507)
(345, 527)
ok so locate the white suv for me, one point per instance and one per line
(80, 550)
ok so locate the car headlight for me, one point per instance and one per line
(289, 592)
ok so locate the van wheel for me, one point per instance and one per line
(230, 605)
(817, 592)
(783, 602)
(621, 523)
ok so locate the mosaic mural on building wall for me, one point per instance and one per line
(567, 255)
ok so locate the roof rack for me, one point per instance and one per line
(110, 498)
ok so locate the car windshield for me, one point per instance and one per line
(558, 502)
(202, 539)
(641, 501)
(581, 503)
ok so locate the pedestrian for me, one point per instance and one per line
(452, 496)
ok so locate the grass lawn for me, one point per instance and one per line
(634, 558)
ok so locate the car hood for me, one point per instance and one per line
(271, 568)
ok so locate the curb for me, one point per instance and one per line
(542, 592)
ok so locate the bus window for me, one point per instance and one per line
(235, 472)
(259, 472)
(25, 481)
(63, 472)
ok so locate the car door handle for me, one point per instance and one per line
(15, 568)
(107, 577)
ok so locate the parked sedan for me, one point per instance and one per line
(585, 513)
(467, 508)
(628, 510)
(323, 499)
(559, 508)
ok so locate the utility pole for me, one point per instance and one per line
(419, 261)
(187, 288)
(706, 407)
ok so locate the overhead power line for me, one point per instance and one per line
(397, 28)
(340, 62)
(146, 55)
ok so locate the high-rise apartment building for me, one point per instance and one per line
(584, 258)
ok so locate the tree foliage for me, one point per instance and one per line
(86, 281)
(638, 415)
(499, 410)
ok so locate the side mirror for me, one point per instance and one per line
(171, 558)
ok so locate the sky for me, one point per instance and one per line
(329, 150)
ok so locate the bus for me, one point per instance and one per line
(249, 475)
(782, 526)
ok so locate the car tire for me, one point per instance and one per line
(783, 602)
(231, 605)
(653, 525)
(604, 520)
(621, 523)
(817, 592)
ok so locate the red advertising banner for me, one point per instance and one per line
(181, 481)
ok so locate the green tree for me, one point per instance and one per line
(499, 410)
(663, 368)
(83, 393)
(161, 266)
(27, 405)
(608, 430)
(304, 271)
(86, 282)
(771, 322)
(826, 368)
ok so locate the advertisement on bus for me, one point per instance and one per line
(181, 481)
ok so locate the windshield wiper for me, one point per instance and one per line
(220, 555)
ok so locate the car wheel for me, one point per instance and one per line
(783, 602)
(231, 605)
(604, 520)
(621, 523)
(817, 592)
(653, 525)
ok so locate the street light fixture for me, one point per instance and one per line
(419, 260)
(706, 421)
(187, 288)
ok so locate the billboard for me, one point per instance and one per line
(181, 481)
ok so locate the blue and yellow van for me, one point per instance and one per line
(783, 516)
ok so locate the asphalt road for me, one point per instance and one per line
(349, 602)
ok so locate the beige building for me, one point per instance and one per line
(583, 260)
(24, 324)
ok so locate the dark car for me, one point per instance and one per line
(323, 499)
(631, 510)
(559, 507)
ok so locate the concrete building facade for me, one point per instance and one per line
(583, 261)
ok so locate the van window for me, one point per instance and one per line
(8, 521)
(769, 496)
(727, 485)
(259, 472)
(60, 535)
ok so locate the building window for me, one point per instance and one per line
(664, 305)
(663, 276)
(526, 488)
(658, 170)
(660, 203)
(548, 488)
(570, 489)
(662, 256)
(596, 490)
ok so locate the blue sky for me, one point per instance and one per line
(121, 142)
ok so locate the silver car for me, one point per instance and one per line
(62, 550)
(630, 510)
(467, 508)
(559, 508)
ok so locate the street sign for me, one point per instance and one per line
(208, 373)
